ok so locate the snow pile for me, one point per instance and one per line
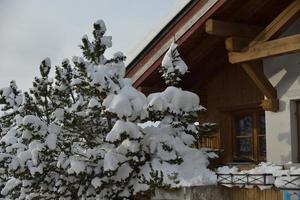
(241, 179)
(173, 62)
(275, 175)
(51, 139)
(288, 178)
(166, 148)
(129, 102)
(122, 129)
(76, 166)
(10, 137)
(12, 97)
(11, 184)
(174, 100)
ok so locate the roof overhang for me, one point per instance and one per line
(179, 29)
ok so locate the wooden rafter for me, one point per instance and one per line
(289, 44)
(278, 24)
(228, 29)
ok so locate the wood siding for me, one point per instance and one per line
(229, 90)
(212, 141)
(224, 193)
(255, 193)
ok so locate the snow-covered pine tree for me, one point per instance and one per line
(11, 99)
(27, 159)
(79, 136)
(64, 122)
(86, 123)
(172, 160)
(173, 68)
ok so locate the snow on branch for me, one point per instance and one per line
(172, 66)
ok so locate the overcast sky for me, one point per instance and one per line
(31, 30)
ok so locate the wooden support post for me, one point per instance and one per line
(256, 74)
(289, 44)
(228, 29)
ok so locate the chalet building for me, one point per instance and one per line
(234, 50)
(243, 63)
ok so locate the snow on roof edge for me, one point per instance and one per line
(136, 50)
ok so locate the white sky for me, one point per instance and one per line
(31, 30)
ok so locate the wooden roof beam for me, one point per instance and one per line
(289, 44)
(254, 71)
(287, 16)
(228, 29)
(236, 43)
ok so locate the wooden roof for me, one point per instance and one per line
(205, 54)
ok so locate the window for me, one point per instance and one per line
(249, 136)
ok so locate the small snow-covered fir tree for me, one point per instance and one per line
(82, 134)
(169, 144)
(173, 68)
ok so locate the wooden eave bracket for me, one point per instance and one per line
(243, 49)
(262, 46)
(270, 105)
(254, 71)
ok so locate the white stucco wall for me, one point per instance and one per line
(281, 127)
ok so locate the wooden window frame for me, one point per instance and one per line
(255, 137)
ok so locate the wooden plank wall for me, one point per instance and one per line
(255, 194)
(212, 141)
(229, 88)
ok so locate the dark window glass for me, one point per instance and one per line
(262, 135)
(262, 145)
(244, 126)
(262, 124)
(250, 136)
(244, 136)
(244, 146)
